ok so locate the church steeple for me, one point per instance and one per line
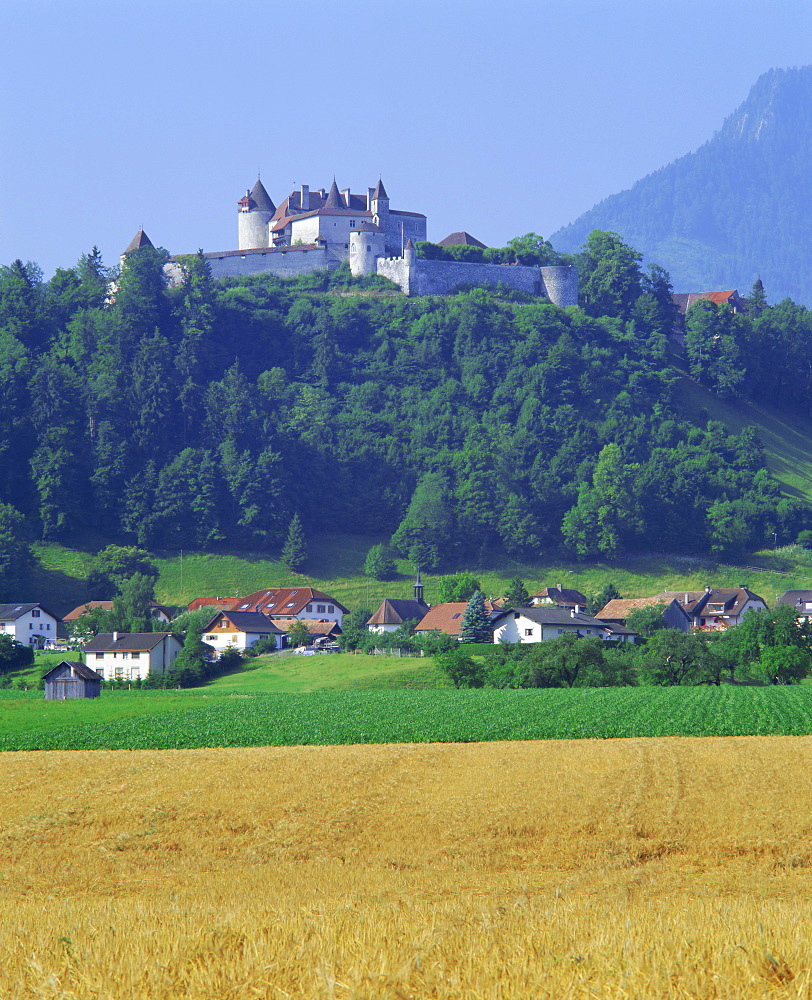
(418, 589)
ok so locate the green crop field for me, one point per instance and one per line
(162, 720)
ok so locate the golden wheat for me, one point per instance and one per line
(572, 869)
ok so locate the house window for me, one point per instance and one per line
(516, 615)
(48, 627)
(210, 637)
(31, 626)
(2, 626)
(234, 638)
(309, 607)
(136, 656)
(35, 614)
(125, 656)
(99, 656)
(528, 631)
(319, 609)
(330, 608)
(263, 635)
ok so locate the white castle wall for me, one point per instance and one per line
(287, 263)
(440, 277)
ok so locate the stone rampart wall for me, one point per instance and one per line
(284, 263)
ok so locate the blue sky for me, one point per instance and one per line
(497, 118)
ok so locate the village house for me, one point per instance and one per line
(617, 611)
(393, 612)
(800, 601)
(240, 630)
(448, 618)
(320, 633)
(715, 608)
(130, 656)
(30, 624)
(559, 597)
(158, 612)
(277, 603)
(542, 623)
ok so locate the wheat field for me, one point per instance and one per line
(639, 868)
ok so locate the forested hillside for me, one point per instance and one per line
(738, 208)
(210, 414)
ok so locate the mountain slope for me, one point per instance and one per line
(738, 208)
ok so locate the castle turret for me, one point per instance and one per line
(560, 284)
(255, 213)
(379, 206)
(367, 244)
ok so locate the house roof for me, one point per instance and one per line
(448, 617)
(795, 597)
(622, 607)
(461, 239)
(285, 602)
(552, 616)
(77, 669)
(684, 300)
(212, 602)
(11, 612)
(125, 642)
(88, 606)
(249, 622)
(139, 240)
(618, 629)
(728, 601)
(561, 595)
(315, 626)
(396, 611)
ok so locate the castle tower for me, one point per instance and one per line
(255, 211)
(367, 244)
(379, 206)
(409, 284)
(560, 284)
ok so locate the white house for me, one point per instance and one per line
(240, 630)
(30, 624)
(130, 656)
(542, 623)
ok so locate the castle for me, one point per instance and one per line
(317, 230)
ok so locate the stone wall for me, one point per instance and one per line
(442, 277)
(287, 263)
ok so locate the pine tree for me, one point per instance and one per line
(476, 625)
(294, 551)
(757, 302)
(516, 595)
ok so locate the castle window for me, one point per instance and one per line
(352, 223)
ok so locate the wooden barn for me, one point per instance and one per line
(69, 679)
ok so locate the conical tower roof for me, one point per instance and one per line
(261, 198)
(380, 191)
(334, 199)
(139, 240)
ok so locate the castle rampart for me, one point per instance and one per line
(441, 277)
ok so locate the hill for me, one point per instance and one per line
(736, 209)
